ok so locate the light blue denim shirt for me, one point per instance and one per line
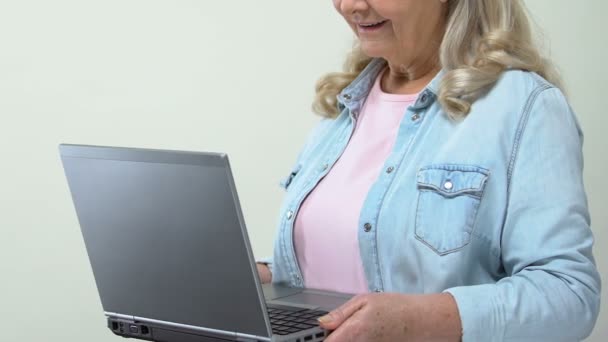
(491, 209)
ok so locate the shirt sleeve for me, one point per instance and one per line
(552, 292)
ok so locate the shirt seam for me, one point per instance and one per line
(523, 122)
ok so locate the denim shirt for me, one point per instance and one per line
(491, 209)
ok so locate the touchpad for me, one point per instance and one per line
(322, 299)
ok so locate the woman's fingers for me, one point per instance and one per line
(336, 317)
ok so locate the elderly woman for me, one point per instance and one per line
(444, 184)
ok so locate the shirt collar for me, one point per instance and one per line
(353, 96)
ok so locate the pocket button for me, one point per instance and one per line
(448, 185)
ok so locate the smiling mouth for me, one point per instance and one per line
(372, 25)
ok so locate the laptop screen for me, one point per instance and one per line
(163, 234)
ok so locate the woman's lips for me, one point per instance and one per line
(371, 27)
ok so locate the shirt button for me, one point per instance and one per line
(367, 227)
(415, 117)
(448, 185)
(390, 169)
(355, 112)
(289, 215)
(424, 97)
(378, 291)
(347, 96)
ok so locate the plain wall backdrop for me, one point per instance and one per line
(230, 76)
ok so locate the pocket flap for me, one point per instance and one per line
(452, 180)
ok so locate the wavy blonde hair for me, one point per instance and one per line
(483, 38)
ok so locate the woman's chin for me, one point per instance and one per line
(372, 49)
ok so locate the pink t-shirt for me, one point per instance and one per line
(327, 224)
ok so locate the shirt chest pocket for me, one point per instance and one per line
(448, 199)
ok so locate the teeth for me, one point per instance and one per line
(370, 25)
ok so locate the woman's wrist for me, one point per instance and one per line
(437, 316)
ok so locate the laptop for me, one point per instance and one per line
(169, 250)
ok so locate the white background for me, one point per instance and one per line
(230, 76)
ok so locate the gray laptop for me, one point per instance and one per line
(170, 253)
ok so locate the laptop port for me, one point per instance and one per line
(319, 335)
(145, 330)
(114, 325)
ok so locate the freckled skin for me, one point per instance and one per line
(391, 317)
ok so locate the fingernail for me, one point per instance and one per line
(325, 319)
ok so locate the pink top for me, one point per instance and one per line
(327, 224)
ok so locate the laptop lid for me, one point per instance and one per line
(166, 237)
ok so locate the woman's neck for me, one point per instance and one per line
(401, 80)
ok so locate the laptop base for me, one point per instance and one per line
(274, 295)
(140, 331)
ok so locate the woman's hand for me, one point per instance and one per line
(394, 317)
(264, 273)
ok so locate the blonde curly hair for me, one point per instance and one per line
(483, 38)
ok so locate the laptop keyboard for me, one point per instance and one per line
(288, 320)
